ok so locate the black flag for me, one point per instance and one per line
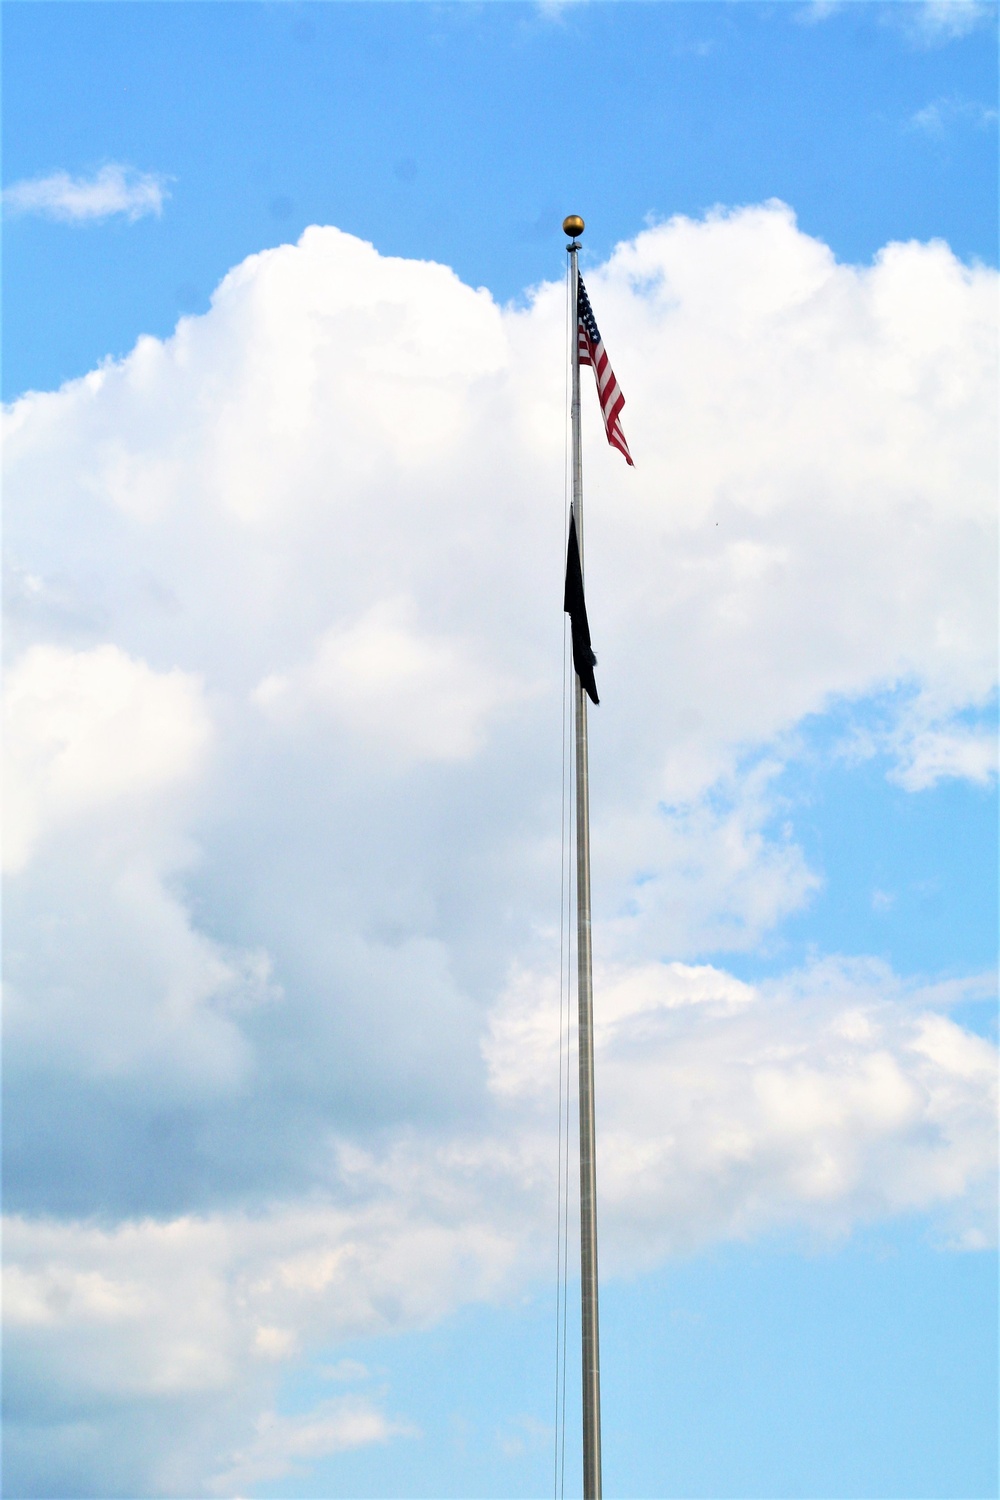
(575, 606)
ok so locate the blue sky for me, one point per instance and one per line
(283, 671)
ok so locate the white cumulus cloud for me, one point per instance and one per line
(285, 633)
(928, 23)
(938, 21)
(84, 730)
(281, 1443)
(836, 1096)
(113, 189)
(401, 692)
(935, 118)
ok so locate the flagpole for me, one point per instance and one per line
(573, 226)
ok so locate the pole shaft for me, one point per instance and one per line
(585, 1004)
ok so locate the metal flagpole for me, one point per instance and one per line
(573, 226)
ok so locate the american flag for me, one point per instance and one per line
(593, 352)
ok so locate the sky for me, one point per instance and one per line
(284, 362)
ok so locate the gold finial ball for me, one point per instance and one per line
(573, 226)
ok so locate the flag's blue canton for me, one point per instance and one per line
(587, 315)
